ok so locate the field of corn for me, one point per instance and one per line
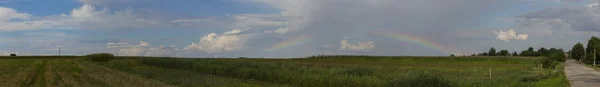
(319, 71)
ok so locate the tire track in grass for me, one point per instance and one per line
(118, 78)
(14, 73)
(18, 76)
(81, 75)
(52, 78)
(38, 77)
(70, 79)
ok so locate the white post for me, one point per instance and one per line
(58, 51)
(490, 72)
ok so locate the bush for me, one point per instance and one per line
(548, 63)
(13, 54)
(100, 57)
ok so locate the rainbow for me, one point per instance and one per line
(420, 41)
(289, 43)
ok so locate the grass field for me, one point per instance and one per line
(325, 71)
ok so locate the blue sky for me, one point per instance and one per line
(290, 28)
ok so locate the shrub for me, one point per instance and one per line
(100, 57)
(548, 63)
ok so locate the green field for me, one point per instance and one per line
(326, 71)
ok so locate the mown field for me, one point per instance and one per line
(324, 71)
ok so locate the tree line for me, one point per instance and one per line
(586, 54)
(550, 59)
(529, 52)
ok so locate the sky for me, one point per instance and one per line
(292, 28)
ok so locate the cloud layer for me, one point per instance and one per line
(111, 25)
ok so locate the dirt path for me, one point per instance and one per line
(580, 75)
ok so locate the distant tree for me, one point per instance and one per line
(528, 52)
(12, 54)
(484, 54)
(591, 50)
(552, 50)
(503, 53)
(562, 55)
(556, 54)
(473, 55)
(515, 53)
(542, 52)
(492, 52)
(452, 55)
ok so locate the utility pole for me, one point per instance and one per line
(59, 51)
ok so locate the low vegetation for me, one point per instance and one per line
(100, 57)
(66, 73)
(320, 71)
(316, 71)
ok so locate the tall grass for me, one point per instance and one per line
(368, 70)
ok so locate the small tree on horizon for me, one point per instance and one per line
(492, 52)
(542, 52)
(577, 52)
(503, 53)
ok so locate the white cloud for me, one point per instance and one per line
(509, 35)
(592, 6)
(7, 14)
(21, 23)
(193, 20)
(279, 31)
(143, 49)
(125, 44)
(106, 2)
(84, 17)
(226, 42)
(88, 17)
(116, 43)
(234, 31)
(258, 20)
(282, 30)
(356, 47)
(163, 51)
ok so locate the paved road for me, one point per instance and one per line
(580, 75)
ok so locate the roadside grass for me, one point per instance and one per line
(597, 68)
(554, 78)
